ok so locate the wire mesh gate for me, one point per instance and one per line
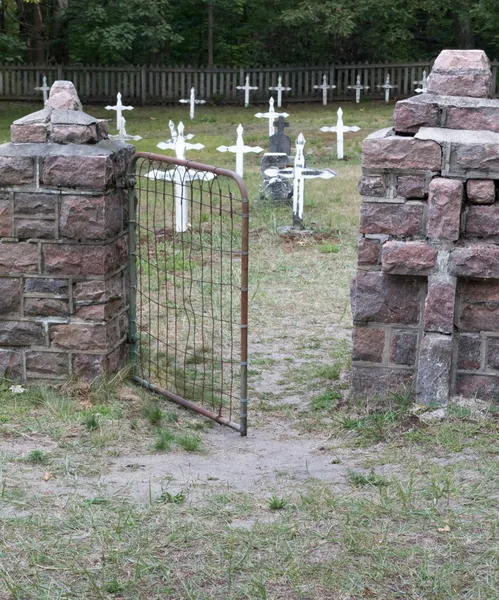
(188, 226)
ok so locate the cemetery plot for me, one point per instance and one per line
(191, 281)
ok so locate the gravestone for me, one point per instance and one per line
(63, 244)
(425, 300)
(277, 189)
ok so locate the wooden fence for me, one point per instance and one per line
(161, 84)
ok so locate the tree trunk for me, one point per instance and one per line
(465, 38)
(210, 34)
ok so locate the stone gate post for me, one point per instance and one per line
(63, 244)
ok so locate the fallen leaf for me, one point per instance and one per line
(47, 476)
(446, 528)
(153, 118)
(86, 404)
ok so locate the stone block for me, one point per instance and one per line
(403, 347)
(369, 382)
(368, 344)
(400, 153)
(480, 160)
(483, 222)
(89, 366)
(483, 387)
(475, 261)
(21, 333)
(439, 307)
(83, 337)
(63, 96)
(54, 364)
(91, 217)
(5, 218)
(411, 114)
(411, 186)
(86, 292)
(391, 219)
(35, 229)
(479, 317)
(444, 209)
(11, 364)
(473, 292)
(481, 191)
(34, 133)
(10, 296)
(479, 118)
(434, 369)
(45, 307)
(461, 73)
(372, 185)
(377, 297)
(492, 357)
(44, 285)
(35, 204)
(78, 171)
(469, 352)
(16, 170)
(99, 312)
(80, 260)
(408, 258)
(369, 251)
(18, 258)
(74, 134)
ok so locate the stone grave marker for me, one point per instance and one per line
(240, 150)
(276, 188)
(279, 88)
(192, 102)
(425, 301)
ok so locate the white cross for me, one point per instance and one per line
(423, 83)
(271, 115)
(324, 87)
(180, 175)
(357, 87)
(240, 149)
(123, 136)
(247, 87)
(387, 87)
(279, 88)
(299, 173)
(174, 133)
(339, 129)
(119, 108)
(44, 89)
(192, 101)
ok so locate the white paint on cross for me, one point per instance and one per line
(423, 83)
(387, 87)
(45, 89)
(181, 176)
(247, 88)
(123, 136)
(340, 129)
(119, 108)
(299, 173)
(192, 102)
(271, 115)
(240, 150)
(324, 87)
(357, 87)
(174, 134)
(279, 88)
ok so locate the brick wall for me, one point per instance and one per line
(425, 300)
(63, 244)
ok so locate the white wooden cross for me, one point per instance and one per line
(123, 136)
(324, 87)
(247, 87)
(299, 173)
(271, 115)
(423, 83)
(240, 150)
(119, 108)
(192, 102)
(174, 133)
(340, 130)
(181, 176)
(357, 87)
(387, 87)
(279, 88)
(45, 89)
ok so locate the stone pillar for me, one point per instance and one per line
(63, 244)
(425, 300)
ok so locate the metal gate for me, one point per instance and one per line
(188, 242)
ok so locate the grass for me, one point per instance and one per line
(370, 502)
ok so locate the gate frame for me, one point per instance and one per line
(242, 426)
